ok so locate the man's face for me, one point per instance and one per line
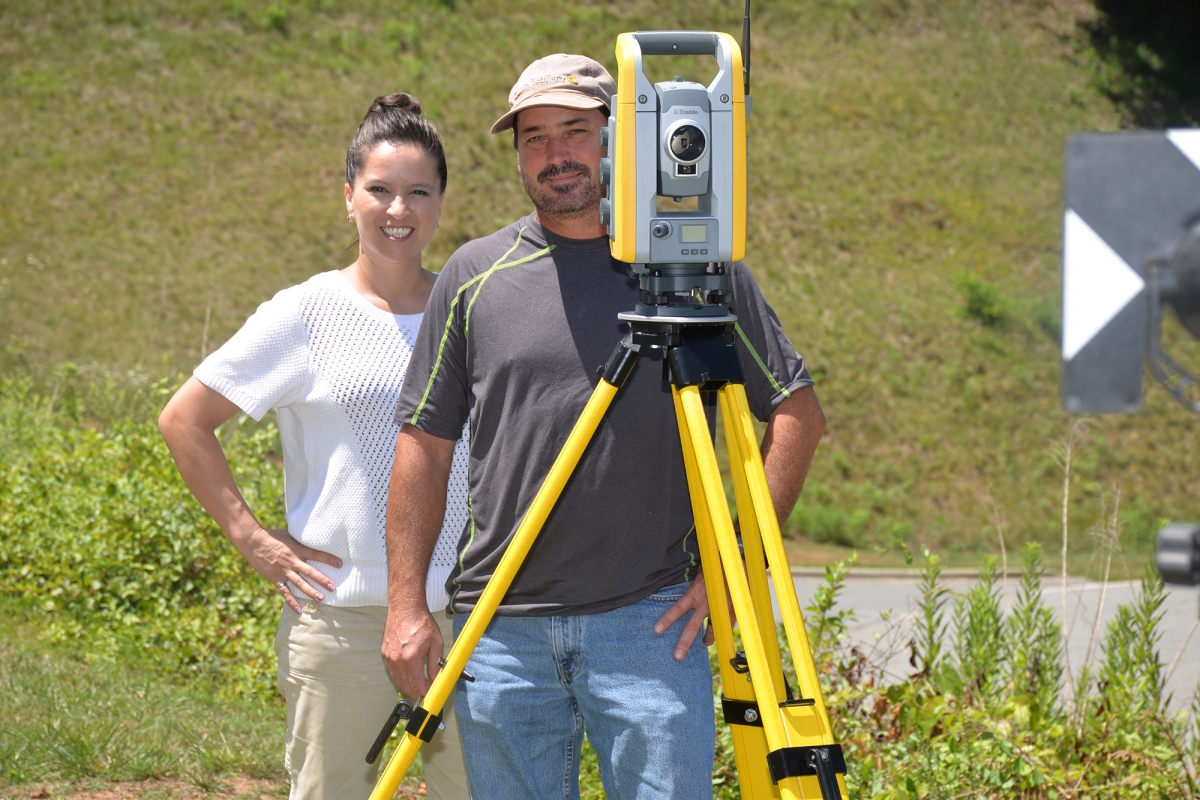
(558, 153)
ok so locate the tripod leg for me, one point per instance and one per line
(739, 423)
(497, 587)
(806, 717)
(737, 695)
(752, 550)
(694, 426)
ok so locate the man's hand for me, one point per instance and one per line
(412, 648)
(695, 599)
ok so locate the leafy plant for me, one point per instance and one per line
(930, 627)
(979, 635)
(275, 17)
(1033, 640)
(981, 301)
(989, 723)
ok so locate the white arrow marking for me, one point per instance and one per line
(1188, 142)
(1097, 284)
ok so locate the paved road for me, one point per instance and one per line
(873, 594)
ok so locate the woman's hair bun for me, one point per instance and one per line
(400, 101)
(396, 119)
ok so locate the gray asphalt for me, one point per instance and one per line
(884, 604)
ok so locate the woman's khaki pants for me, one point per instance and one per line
(338, 694)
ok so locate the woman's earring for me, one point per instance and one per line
(437, 224)
(349, 216)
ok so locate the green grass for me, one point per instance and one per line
(168, 163)
(80, 717)
(71, 718)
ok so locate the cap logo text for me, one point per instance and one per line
(542, 80)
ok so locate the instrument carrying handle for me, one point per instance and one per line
(677, 43)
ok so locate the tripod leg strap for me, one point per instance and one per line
(417, 719)
(741, 712)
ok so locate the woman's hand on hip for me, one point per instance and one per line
(277, 556)
(188, 425)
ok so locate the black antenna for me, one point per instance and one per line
(746, 49)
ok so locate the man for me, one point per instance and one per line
(597, 627)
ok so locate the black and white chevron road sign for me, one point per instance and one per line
(1128, 198)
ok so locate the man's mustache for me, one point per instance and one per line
(554, 170)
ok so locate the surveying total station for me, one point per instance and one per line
(676, 213)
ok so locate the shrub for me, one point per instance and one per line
(982, 301)
(98, 530)
(984, 718)
(816, 517)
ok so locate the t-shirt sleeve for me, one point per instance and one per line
(265, 364)
(773, 368)
(435, 394)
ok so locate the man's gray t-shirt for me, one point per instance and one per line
(515, 329)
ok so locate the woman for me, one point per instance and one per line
(329, 355)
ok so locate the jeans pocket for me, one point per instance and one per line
(669, 594)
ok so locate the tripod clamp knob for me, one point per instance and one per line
(403, 710)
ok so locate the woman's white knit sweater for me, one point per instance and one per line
(332, 364)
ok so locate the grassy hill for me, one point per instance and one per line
(166, 166)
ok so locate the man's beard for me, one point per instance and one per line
(568, 202)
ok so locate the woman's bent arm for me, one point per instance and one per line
(189, 424)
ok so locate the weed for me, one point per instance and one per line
(978, 635)
(927, 655)
(981, 301)
(276, 18)
(1034, 640)
(990, 722)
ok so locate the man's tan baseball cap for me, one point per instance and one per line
(564, 80)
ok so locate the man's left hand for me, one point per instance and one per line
(695, 599)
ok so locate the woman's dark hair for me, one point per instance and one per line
(395, 119)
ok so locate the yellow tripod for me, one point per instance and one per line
(782, 740)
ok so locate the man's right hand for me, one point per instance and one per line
(412, 648)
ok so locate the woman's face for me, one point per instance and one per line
(396, 201)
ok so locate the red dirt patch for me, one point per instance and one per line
(236, 788)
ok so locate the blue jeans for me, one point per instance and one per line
(539, 681)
